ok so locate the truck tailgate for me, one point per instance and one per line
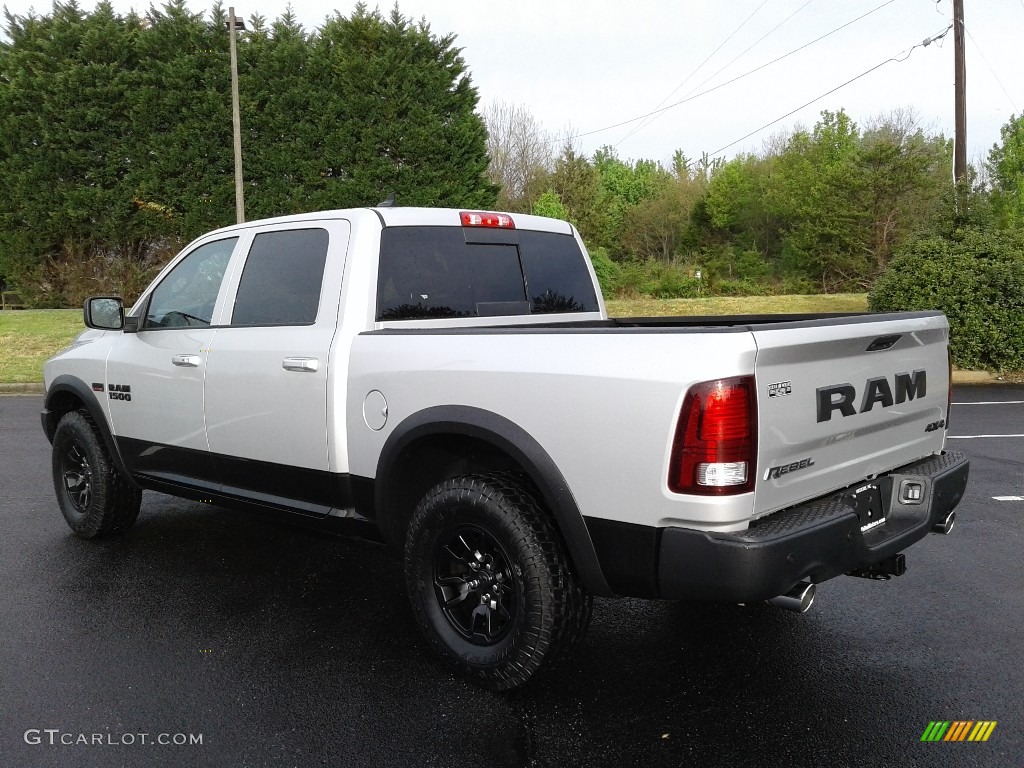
(844, 399)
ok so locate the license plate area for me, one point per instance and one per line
(867, 502)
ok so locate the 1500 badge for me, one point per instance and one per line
(120, 392)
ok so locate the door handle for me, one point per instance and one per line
(186, 361)
(301, 364)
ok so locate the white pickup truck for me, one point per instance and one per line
(450, 381)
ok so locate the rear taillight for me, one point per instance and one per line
(715, 449)
(949, 397)
(485, 219)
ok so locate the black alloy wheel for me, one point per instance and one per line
(77, 475)
(93, 496)
(475, 585)
(490, 583)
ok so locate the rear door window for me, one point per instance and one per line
(556, 274)
(282, 278)
(433, 272)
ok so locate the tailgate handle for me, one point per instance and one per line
(884, 342)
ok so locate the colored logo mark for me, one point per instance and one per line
(959, 730)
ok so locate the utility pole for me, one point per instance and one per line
(235, 24)
(960, 95)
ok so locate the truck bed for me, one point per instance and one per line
(597, 394)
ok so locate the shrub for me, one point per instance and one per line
(67, 280)
(608, 272)
(653, 278)
(743, 286)
(633, 278)
(751, 265)
(790, 285)
(673, 281)
(977, 279)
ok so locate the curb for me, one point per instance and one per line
(22, 389)
(959, 377)
(978, 377)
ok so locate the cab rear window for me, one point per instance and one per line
(439, 272)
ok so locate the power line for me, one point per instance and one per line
(699, 67)
(838, 87)
(733, 80)
(720, 69)
(748, 48)
(982, 54)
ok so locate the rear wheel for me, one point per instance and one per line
(489, 580)
(93, 497)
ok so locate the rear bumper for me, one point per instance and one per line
(813, 542)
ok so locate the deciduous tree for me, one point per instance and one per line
(1006, 170)
(521, 155)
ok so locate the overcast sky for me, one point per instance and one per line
(584, 65)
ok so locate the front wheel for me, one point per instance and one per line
(490, 583)
(93, 496)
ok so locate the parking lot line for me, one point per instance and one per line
(976, 437)
(995, 402)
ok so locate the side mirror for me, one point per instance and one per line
(104, 313)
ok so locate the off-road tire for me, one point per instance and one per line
(93, 496)
(481, 536)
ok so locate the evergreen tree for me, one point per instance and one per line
(116, 140)
(399, 107)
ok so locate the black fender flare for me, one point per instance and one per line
(512, 440)
(83, 393)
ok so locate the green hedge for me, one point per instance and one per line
(977, 279)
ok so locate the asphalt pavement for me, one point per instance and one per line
(209, 637)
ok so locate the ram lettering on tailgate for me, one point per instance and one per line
(841, 397)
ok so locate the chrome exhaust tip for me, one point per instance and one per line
(799, 599)
(946, 525)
